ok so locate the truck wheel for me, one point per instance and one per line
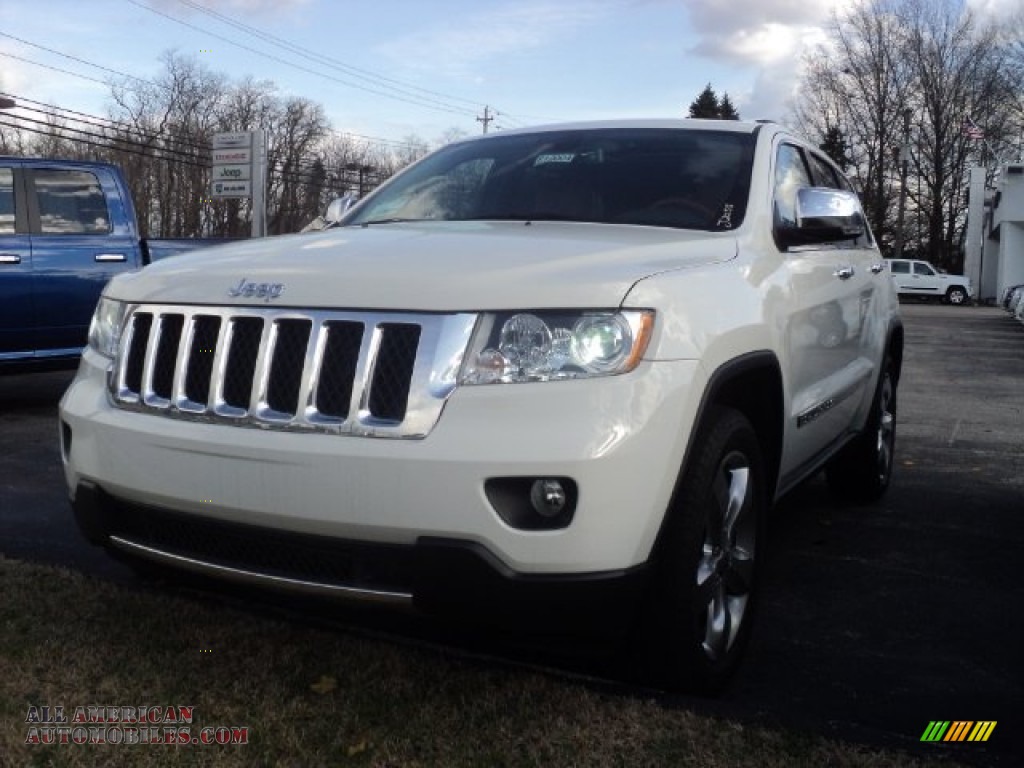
(703, 598)
(862, 470)
(956, 295)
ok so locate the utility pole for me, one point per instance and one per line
(487, 118)
(897, 249)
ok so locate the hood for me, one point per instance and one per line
(429, 267)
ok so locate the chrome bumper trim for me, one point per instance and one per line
(264, 580)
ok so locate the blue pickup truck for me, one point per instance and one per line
(66, 228)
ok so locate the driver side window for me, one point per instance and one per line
(791, 174)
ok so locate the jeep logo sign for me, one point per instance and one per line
(231, 172)
(265, 291)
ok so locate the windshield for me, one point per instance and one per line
(691, 179)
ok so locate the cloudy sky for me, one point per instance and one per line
(391, 68)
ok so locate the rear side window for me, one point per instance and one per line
(71, 203)
(899, 267)
(6, 201)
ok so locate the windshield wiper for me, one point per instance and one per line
(392, 220)
(526, 217)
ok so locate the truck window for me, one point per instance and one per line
(790, 175)
(71, 203)
(899, 267)
(922, 269)
(6, 201)
(824, 175)
(687, 179)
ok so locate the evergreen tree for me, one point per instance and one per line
(726, 111)
(836, 147)
(706, 105)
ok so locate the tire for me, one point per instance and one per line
(862, 471)
(701, 606)
(956, 295)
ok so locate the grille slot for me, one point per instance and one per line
(166, 355)
(286, 368)
(381, 374)
(141, 325)
(392, 375)
(338, 372)
(200, 358)
(241, 362)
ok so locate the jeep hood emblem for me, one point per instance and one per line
(265, 291)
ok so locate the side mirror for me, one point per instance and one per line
(824, 215)
(338, 207)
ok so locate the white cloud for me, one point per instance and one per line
(759, 32)
(996, 9)
(457, 48)
(766, 39)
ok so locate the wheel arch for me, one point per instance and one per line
(752, 385)
(894, 349)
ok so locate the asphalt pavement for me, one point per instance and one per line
(875, 620)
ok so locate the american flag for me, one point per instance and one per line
(972, 130)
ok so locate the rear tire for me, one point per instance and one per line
(862, 471)
(698, 619)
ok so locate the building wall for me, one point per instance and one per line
(1003, 252)
(1011, 259)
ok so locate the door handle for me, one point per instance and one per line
(844, 273)
(109, 257)
(10, 258)
(876, 268)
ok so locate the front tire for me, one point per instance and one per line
(956, 296)
(702, 604)
(862, 471)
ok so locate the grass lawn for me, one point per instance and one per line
(312, 697)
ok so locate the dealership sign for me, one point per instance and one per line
(234, 164)
(232, 172)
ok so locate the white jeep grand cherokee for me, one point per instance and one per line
(549, 379)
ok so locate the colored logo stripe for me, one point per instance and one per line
(982, 730)
(958, 730)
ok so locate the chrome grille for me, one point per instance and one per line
(363, 373)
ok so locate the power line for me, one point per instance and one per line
(303, 169)
(75, 58)
(320, 58)
(361, 137)
(417, 101)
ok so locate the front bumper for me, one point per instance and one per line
(621, 439)
(440, 578)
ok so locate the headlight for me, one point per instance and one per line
(544, 346)
(105, 328)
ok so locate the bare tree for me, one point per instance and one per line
(296, 130)
(858, 84)
(899, 75)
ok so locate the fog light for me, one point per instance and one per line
(548, 497)
(533, 503)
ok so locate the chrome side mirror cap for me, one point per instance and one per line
(824, 215)
(338, 207)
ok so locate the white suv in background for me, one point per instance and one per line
(919, 278)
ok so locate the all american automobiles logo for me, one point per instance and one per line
(958, 730)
